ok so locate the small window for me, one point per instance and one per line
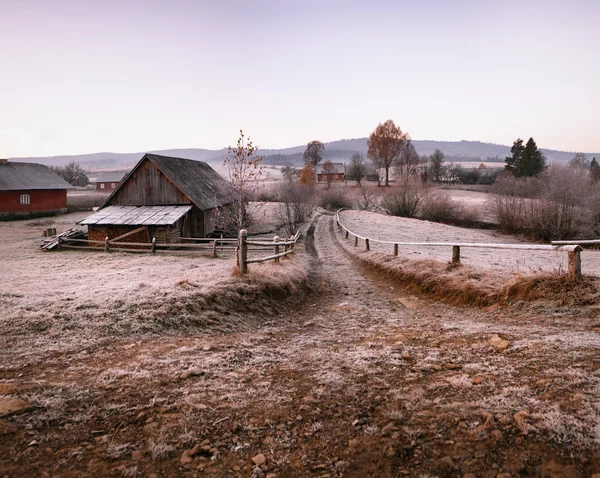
(101, 185)
(112, 185)
(25, 199)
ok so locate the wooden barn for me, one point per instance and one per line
(163, 197)
(31, 189)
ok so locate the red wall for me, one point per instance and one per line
(107, 186)
(40, 200)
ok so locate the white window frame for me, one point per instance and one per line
(25, 199)
(101, 185)
(112, 185)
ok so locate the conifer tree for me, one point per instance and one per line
(595, 170)
(526, 160)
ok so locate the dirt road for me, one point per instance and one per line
(364, 380)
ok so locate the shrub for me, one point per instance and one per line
(559, 204)
(367, 198)
(440, 207)
(296, 204)
(406, 197)
(333, 199)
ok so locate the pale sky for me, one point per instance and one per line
(87, 76)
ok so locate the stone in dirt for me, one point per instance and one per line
(12, 388)
(521, 423)
(259, 459)
(13, 406)
(192, 372)
(411, 302)
(477, 380)
(7, 428)
(498, 343)
(186, 458)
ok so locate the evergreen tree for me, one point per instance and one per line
(512, 162)
(526, 160)
(595, 170)
(533, 161)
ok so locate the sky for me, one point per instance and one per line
(83, 76)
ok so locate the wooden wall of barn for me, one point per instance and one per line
(163, 234)
(147, 186)
(46, 200)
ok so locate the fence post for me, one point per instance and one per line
(355, 241)
(276, 240)
(106, 244)
(395, 249)
(346, 233)
(455, 254)
(214, 250)
(367, 247)
(575, 263)
(243, 251)
(153, 248)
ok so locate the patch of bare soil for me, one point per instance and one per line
(365, 379)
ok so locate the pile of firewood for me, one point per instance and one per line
(52, 241)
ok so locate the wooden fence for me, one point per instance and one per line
(275, 245)
(572, 249)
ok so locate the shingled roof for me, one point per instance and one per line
(196, 179)
(29, 176)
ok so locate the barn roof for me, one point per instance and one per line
(27, 176)
(338, 168)
(196, 179)
(137, 215)
(110, 176)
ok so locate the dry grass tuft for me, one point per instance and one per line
(463, 285)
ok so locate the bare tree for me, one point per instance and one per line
(358, 167)
(579, 161)
(385, 146)
(295, 204)
(328, 169)
(406, 197)
(436, 165)
(243, 168)
(314, 153)
(70, 172)
(409, 160)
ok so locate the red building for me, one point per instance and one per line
(108, 181)
(331, 173)
(30, 189)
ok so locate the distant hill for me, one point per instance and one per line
(340, 150)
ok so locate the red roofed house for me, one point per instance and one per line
(30, 189)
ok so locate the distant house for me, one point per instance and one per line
(31, 189)
(81, 180)
(163, 197)
(336, 173)
(108, 181)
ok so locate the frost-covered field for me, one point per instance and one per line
(390, 228)
(69, 299)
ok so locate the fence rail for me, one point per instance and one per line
(243, 243)
(573, 249)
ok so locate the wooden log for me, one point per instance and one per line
(395, 249)
(268, 258)
(575, 264)
(276, 240)
(455, 254)
(243, 251)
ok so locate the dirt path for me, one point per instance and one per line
(362, 381)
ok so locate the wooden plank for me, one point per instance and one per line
(127, 234)
(269, 258)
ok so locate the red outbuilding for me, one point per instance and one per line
(30, 189)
